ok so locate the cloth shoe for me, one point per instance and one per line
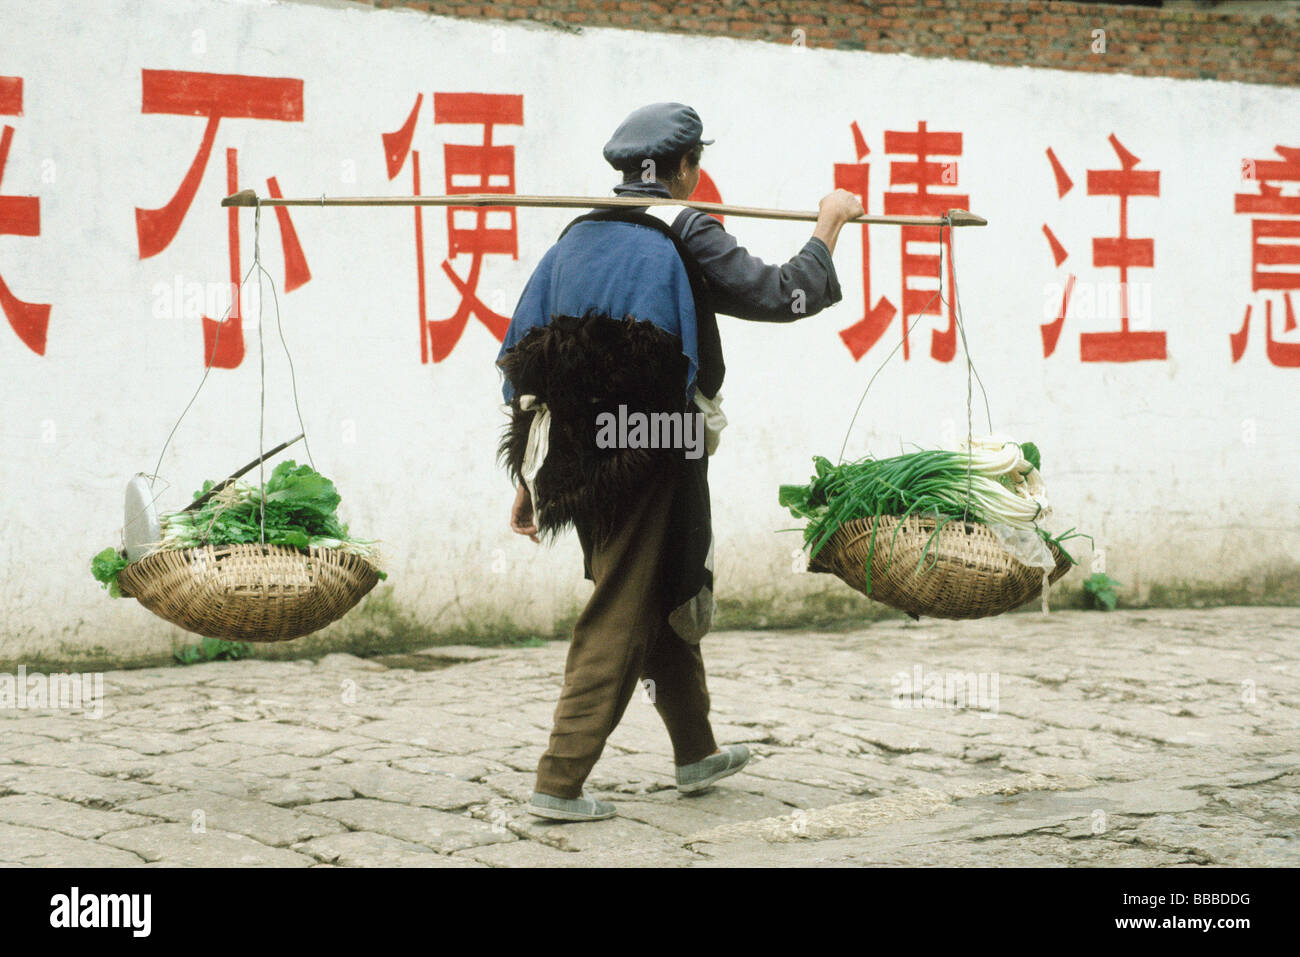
(703, 774)
(570, 809)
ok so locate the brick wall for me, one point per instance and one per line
(1244, 43)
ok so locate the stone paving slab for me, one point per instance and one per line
(417, 825)
(179, 845)
(263, 822)
(45, 847)
(66, 817)
(368, 849)
(284, 788)
(70, 784)
(1138, 738)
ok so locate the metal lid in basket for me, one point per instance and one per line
(142, 529)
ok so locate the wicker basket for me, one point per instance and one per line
(967, 573)
(249, 592)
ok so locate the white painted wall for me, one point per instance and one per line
(1187, 469)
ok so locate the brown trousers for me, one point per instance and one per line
(622, 637)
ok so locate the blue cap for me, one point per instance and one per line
(660, 129)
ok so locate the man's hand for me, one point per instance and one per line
(835, 209)
(840, 204)
(521, 514)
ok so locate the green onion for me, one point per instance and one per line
(993, 482)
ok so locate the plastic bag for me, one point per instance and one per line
(1027, 547)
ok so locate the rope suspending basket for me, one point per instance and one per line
(935, 533)
(262, 563)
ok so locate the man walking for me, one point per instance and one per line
(621, 314)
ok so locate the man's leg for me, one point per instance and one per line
(681, 695)
(610, 640)
(682, 698)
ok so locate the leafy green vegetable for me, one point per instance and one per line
(212, 649)
(1101, 592)
(799, 499)
(299, 511)
(1030, 451)
(106, 566)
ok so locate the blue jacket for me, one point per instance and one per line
(617, 269)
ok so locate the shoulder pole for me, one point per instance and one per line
(953, 217)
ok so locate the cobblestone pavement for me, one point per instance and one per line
(1134, 738)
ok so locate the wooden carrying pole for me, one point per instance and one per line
(954, 217)
(203, 499)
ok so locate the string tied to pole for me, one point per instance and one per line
(972, 376)
(261, 270)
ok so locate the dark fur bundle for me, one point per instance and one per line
(581, 367)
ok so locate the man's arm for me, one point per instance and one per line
(835, 209)
(744, 286)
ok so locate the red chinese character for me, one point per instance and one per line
(924, 300)
(1122, 252)
(397, 146)
(1052, 330)
(19, 216)
(918, 298)
(1269, 249)
(214, 96)
(866, 332)
(488, 168)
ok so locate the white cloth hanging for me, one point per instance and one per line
(714, 420)
(539, 439)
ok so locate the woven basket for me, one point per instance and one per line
(249, 592)
(967, 573)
